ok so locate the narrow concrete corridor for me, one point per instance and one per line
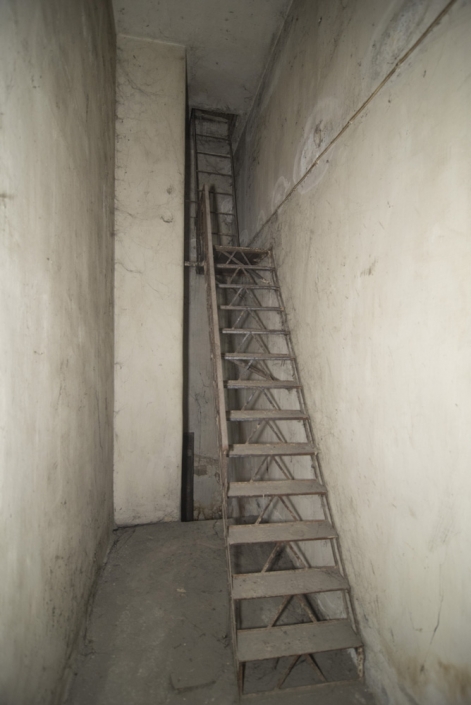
(159, 631)
(349, 137)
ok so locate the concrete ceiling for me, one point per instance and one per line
(228, 42)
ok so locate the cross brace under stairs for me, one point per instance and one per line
(290, 597)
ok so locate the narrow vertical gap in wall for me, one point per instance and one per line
(201, 468)
(188, 440)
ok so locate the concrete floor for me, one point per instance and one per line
(159, 630)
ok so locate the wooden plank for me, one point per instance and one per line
(214, 323)
(244, 250)
(240, 265)
(214, 154)
(251, 308)
(262, 384)
(257, 356)
(253, 331)
(267, 415)
(283, 532)
(244, 450)
(247, 586)
(247, 286)
(211, 137)
(272, 488)
(331, 635)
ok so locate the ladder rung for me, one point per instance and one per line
(217, 193)
(210, 116)
(253, 331)
(267, 415)
(246, 286)
(212, 154)
(245, 250)
(280, 533)
(240, 265)
(212, 137)
(294, 639)
(214, 173)
(251, 308)
(243, 450)
(275, 488)
(257, 356)
(262, 384)
(247, 586)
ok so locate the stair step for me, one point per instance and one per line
(280, 532)
(262, 384)
(272, 488)
(257, 356)
(247, 286)
(243, 450)
(253, 331)
(251, 308)
(287, 582)
(267, 415)
(291, 640)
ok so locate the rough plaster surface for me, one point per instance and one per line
(56, 331)
(353, 46)
(374, 257)
(150, 155)
(159, 632)
(228, 43)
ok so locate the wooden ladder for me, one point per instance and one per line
(290, 598)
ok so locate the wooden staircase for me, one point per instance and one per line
(293, 604)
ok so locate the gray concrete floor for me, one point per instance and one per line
(159, 629)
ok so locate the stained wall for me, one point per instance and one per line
(150, 159)
(369, 217)
(56, 331)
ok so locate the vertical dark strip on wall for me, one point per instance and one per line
(188, 444)
(188, 472)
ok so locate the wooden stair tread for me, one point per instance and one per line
(247, 586)
(271, 488)
(316, 637)
(262, 384)
(242, 450)
(253, 331)
(257, 356)
(280, 532)
(267, 415)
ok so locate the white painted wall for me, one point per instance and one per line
(150, 154)
(374, 256)
(56, 331)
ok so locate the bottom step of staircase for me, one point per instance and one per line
(293, 640)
